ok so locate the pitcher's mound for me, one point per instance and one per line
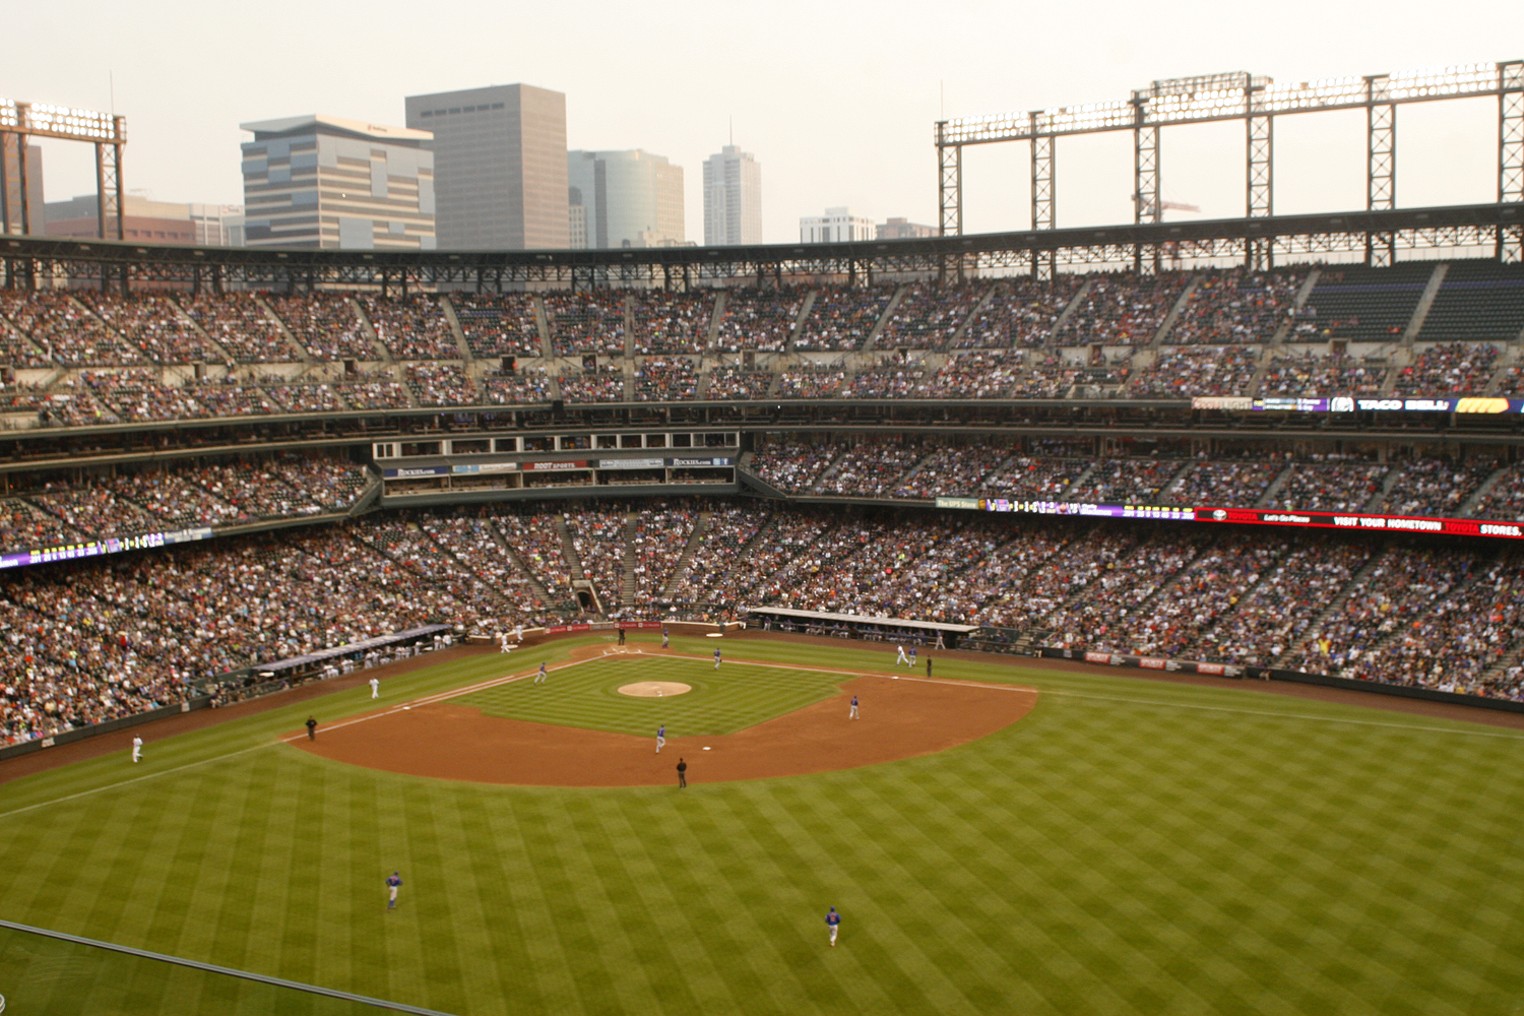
(654, 689)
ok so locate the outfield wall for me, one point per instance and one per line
(96, 729)
(1296, 676)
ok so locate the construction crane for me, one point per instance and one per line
(1164, 206)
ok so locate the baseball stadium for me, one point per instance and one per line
(1119, 620)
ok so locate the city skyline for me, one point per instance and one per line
(848, 125)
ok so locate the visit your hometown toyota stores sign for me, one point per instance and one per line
(1496, 529)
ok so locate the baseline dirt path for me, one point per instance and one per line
(711, 765)
(900, 719)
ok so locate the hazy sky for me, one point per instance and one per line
(836, 98)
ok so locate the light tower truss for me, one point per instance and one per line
(1257, 101)
(106, 131)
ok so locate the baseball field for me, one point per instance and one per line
(1007, 838)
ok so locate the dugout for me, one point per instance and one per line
(858, 626)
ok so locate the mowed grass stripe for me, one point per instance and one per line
(1110, 854)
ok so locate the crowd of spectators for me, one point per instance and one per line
(672, 323)
(373, 388)
(90, 641)
(930, 317)
(1331, 483)
(1236, 308)
(658, 539)
(65, 330)
(1318, 373)
(535, 540)
(515, 387)
(411, 328)
(1434, 486)
(841, 320)
(1503, 495)
(154, 326)
(585, 322)
(1449, 368)
(599, 536)
(498, 324)
(1020, 314)
(441, 384)
(603, 384)
(1121, 310)
(666, 379)
(812, 381)
(1183, 372)
(327, 325)
(759, 320)
(240, 325)
(891, 378)
(1075, 336)
(729, 381)
(205, 494)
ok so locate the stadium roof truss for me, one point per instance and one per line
(1256, 101)
(1421, 233)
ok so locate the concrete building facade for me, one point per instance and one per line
(326, 182)
(732, 198)
(901, 228)
(499, 165)
(627, 199)
(12, 215)
(837, 225)
(147, 221)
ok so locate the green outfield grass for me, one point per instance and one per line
(1129, 848)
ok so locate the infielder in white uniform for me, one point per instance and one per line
(137, 749)
(375, 687)
(901, 658)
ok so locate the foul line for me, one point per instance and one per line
(155, 774)
(212, 968)
(496, 682)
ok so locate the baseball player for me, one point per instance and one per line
(394, 882)
(666, 639)
(682, 773)
(661, 738)
(853, 714)
(900, 656)
(540, 677)
(137, 749)
(716, 657)
(375, 687)
(833, 922)
(912, 657)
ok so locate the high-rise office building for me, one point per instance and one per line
(732, 198)
(499, 164)
(325, 182)
(628, 199)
